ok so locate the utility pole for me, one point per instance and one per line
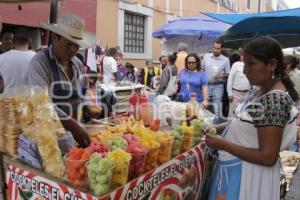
(258, 10)
(53, 11)
(53, 17)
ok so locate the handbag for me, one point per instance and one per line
(171, 87)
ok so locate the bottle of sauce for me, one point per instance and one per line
(134, 109)
(145, 110)
(192, 108)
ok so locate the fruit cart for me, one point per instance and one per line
(179, 178)
(123, 161)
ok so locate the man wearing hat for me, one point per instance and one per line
(60, 71)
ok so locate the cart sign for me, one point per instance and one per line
(178, 179)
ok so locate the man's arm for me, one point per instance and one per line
(79, 133)
(230, 81)
(205, 89)
(205, 95)
(1, 84)
(203, 63)
(227, 69)
(114, 68)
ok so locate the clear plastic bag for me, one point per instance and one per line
(29, 109)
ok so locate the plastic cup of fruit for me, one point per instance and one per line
(99, 180)
(76, 172)
(137, 165)
(196, 140)
(186, 143)
(164, 151)
(151, 160)
(120, 173)
(176, 147)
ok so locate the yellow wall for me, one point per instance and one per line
(159, 19)
(194, 7)
(143, 2)
(174, 7)
(136, 63)
(159, 5)
(107, 22)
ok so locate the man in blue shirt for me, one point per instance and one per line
(217, 67)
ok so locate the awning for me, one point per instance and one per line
(235, 18)
(19, 1)
(27, 14)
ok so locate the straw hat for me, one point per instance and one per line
(71, 27)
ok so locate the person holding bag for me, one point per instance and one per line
(167, 85)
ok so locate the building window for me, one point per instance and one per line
(248, 4)
(134, 33)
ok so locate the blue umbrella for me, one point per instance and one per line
(286, 30)
(198, 26)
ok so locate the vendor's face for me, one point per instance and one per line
(257, 72)
(192, 63)
(64, 49)
(7, 41)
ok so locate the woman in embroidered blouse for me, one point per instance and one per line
(248, 152)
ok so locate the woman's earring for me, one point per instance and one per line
(273, 75)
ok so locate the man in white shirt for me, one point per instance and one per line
(237, 86)
(14, 63)
(217, 67)
(110, 66)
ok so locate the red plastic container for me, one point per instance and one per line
(137, 165)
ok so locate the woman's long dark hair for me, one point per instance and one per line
(265, 49)
(291, 60)
(172, 58)
(198, 65)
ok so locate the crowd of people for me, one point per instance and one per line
(261, 86)
(214, 78)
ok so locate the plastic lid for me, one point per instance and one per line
(143, 99)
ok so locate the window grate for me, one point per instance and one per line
(134, 33)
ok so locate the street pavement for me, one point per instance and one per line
(294, 192)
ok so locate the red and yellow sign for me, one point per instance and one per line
(178, 179)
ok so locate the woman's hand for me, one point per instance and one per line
(205, 104)
(216, 142)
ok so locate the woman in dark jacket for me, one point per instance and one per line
(166, 74)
